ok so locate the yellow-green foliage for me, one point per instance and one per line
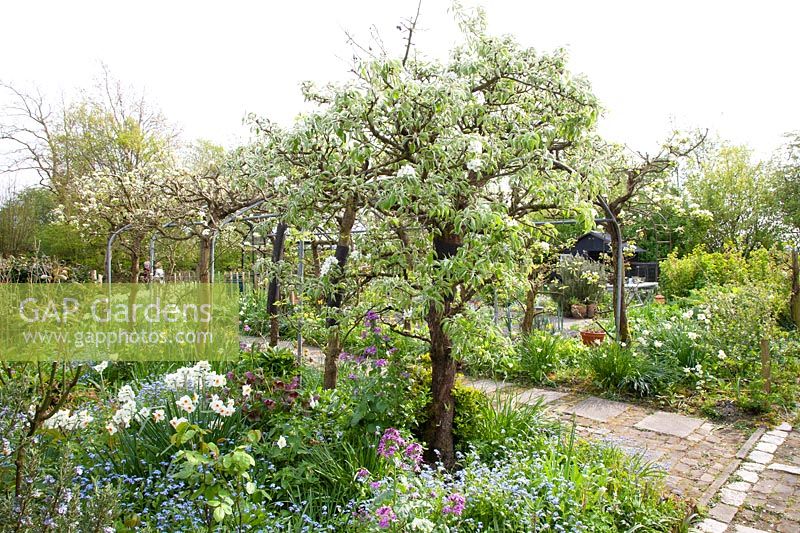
(681, 275)
(469, 405)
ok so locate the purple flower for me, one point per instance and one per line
(385, 516)
(352, 376)
(376, 330)
(455, 504)
(414, 452)
(370, 350)
(372, 316)
(246, 328)
(390, 443)
(380, 362)
(362, 474)
(344, 357)
(375, 485)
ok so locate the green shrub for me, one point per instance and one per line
(274, 361)
(482, 346)
(469, 405)
(503, 426)
(581, 281)
(541, 353)
(619, 368)
(679, 276)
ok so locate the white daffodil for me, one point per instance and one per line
(175, 422)
(246, 390)
(185, 403)
(721, 355)
(158, 415)
(281, 443)
(100, 367)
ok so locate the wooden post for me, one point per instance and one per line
(766, 366)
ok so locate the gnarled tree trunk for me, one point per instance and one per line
(334, 301)
(204, 261)
(439, 433)
(624, 332)
(530, 310)
(273, 290)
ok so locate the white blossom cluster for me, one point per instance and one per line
(220, 407)
(194, 377)
(327, 265)
(127, 410)
(66, 421)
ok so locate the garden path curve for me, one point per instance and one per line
(749, 480)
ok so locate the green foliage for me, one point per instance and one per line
(581, 281)
(740, 194)
(619, 368)
(222, 480)
(500, 425)
(681, 275)
(483, 347)
(273, 361)
(541, 353)
(469, 406)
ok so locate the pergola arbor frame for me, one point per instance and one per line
(239, 216)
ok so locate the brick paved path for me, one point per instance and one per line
(703, 461)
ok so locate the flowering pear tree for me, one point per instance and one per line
(491, 138)
(633, 182)
(333, 165)
(106, 202)
(97, 153)
(202, 196)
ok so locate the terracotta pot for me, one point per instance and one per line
(578, 310)
(591, 310)
(592, 338)
(660, 299)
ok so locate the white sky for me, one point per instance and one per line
(730, 66)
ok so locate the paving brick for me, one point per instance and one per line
(670, 424)
(760, 457)
(723, 512)
(732, 497)
(789, 469)
(709, 525)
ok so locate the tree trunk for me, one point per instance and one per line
(334, 301)
(273, 291)
(204, 261)
(439, 432)
(530, 310)
(624, 332)
(315, 258)
(134, 254)
(794, 302)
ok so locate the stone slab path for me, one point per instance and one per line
(750, 482)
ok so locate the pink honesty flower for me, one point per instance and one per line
(390, 443)
(385, 516)
(455, 504)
